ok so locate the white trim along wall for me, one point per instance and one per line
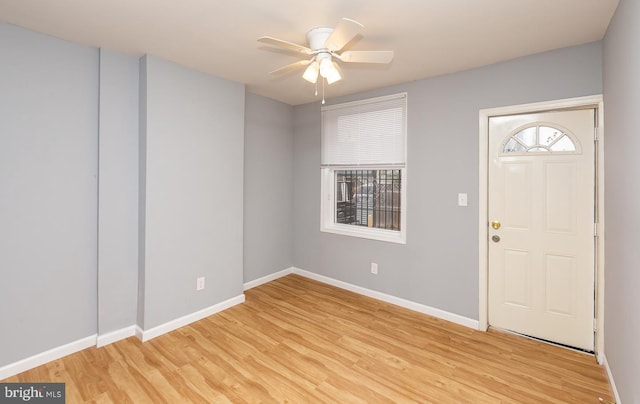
(47, 356)
(145, 335)
(114, 336)
(421, 308)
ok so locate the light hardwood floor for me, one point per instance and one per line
(296, 340)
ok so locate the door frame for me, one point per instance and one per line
(595, 101)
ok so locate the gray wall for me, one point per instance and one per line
(69, 253)
(118, 192)
(268, 186)
(438, 266)
(48, 192)
(193, 187)
(622, 198)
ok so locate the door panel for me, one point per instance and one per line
(541, 192)
(559, 271)
(517, 195)
(560, 197)
(517, 278)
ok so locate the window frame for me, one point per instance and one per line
(328, 204)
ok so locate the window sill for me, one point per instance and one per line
(389, 236)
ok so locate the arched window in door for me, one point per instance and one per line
(540, 138)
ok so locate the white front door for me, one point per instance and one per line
(541, 225)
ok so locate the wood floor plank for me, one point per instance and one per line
(298, 340)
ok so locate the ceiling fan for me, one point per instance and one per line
(324, 48)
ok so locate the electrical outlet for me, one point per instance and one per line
(200, 283)
(374, 268)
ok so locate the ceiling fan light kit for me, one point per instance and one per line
(325, 44)
(311, 73)
(324, 66)
(332, 73)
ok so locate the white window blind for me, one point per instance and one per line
(370, 132)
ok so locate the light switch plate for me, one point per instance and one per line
(462, 199)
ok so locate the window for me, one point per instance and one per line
(369, 198)
(539, 139)
(363, 168)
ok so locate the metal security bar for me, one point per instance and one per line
(369, 198)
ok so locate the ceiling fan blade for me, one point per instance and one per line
(292, 66)
(343, 33)
(366, 56)
(285, 44)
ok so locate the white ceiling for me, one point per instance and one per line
(429, 37)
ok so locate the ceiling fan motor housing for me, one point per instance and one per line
(317, 38)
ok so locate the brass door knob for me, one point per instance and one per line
(496, 224)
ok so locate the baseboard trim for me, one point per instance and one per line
(115, 336)
(111, 337)
(408, 304)
(47, 356)
(268, 278)
(612, 383)
(146, 335)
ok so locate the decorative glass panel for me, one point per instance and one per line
(513, 146)
(527, 136)
(549, 135)
(539, 139)
(563, 144)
